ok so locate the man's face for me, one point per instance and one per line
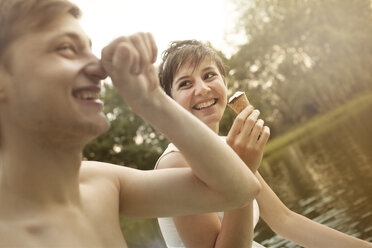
(53, 82)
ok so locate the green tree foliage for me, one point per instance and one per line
(302, 57)
(130, 141)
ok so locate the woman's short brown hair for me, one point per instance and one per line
(18, 17)
(182, 52)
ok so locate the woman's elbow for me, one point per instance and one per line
(253, 190)
(247, 193)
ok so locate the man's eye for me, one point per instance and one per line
(67, 48)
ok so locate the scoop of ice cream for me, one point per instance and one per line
(238, 101)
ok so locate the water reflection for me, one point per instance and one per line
(327, 177)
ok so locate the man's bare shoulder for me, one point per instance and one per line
(92, 170)
(101, 180)
(103, 177)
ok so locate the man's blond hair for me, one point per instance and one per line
(18, 17)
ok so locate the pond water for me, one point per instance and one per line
(326, 176)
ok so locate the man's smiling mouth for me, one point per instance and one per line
(88, 93)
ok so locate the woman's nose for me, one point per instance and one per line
(201, 87)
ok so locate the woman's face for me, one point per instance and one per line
(202, 91)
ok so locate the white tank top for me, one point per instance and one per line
(168, 228)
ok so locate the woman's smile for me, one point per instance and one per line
(205, 104)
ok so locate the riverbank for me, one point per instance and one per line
(348, 110)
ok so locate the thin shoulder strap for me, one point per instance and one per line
(169, 149)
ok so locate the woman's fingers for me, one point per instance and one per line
(250, 123)
(264, 137)
(152, 76)
(142, 46)
(123, 57)
(256, 131)
(240, 121)
(139, 47)
(248, 131)
(152, 47)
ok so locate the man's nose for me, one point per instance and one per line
(95, 70)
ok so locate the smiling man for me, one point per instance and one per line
(49, 110)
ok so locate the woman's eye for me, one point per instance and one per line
(184, 84)
(209, 75)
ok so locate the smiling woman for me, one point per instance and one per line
(196, 83)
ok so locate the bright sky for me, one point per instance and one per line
(167, 20)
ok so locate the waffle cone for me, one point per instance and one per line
(238, 102)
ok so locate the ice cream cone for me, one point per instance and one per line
(238, 101)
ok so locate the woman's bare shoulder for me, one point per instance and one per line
(173, 159)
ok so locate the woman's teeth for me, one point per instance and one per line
(205, 104)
